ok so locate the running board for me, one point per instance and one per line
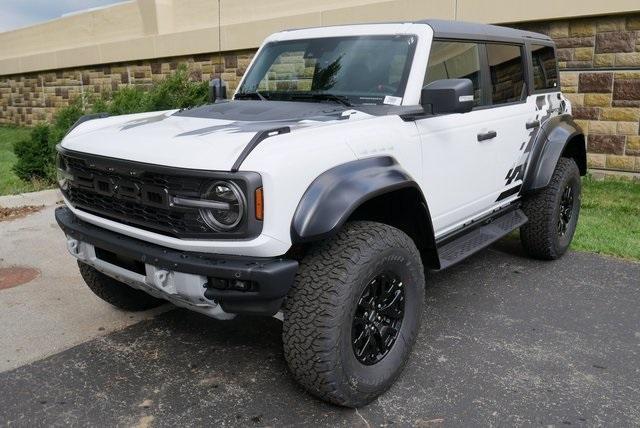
(479, 238)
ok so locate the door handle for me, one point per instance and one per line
(487, 135)
(533, 124)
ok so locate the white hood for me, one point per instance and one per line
(209, 137)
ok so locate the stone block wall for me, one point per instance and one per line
(35, 97)
(599, 60)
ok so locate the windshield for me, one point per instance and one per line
(345, 70)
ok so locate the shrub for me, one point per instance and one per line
(124, 101)
(177, 91)
(100, 105)
(36, 155)
(63, 120)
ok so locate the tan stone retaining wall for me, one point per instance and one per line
(600, 72)
(599, 60)
(35, 97)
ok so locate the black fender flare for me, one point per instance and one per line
(552, 140)
(336, 193)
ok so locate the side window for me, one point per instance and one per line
(507, 73)
(545, 71)
(455, 60)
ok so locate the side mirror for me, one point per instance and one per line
(217, 90)
(448, 96)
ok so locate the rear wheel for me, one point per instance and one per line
(353, 315)
(553, 213)
(115, 292)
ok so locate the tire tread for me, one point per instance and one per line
(315, 304)
(539, 235)
(115, 292)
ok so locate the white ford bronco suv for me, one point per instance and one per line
(349, 160)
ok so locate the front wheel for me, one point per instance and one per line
(553, 213)
(353, 315)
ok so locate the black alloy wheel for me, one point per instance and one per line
(566, 209)
(378, 318)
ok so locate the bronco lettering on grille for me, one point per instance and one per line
(129, 190)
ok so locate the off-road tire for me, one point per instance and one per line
(539, 236)
(115, 292)
(319, 311)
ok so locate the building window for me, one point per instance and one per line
(507, 73)
(545, 73)
(455, 60)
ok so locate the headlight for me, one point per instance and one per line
(233, 205)
(62, 173)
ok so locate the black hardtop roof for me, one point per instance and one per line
(464, 30)
(473, 30)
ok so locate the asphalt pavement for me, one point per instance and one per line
(505, 341)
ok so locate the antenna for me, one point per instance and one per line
(217, 86)
(220, 36)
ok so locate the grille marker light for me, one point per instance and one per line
(259, 204)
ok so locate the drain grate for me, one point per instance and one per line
(17, 275)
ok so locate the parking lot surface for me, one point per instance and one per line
(505, 341)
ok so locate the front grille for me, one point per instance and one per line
(166, 221)
(177, 184)
(139, 195)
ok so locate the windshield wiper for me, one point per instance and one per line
(254, 94)
(319, 96)
(341, 99)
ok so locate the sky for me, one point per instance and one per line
(22, 13)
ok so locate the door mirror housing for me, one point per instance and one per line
(217, 90)
(447, 96)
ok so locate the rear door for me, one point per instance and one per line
(515, 116)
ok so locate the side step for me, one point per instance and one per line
(479, 238)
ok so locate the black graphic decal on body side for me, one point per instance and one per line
(545, 108)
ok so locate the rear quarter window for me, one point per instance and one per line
(545, 70)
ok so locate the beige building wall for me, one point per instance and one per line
(145, 29)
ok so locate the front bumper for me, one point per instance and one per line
(182, 277)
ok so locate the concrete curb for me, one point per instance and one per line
(44, 197)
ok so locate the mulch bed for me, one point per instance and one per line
(8, 214)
